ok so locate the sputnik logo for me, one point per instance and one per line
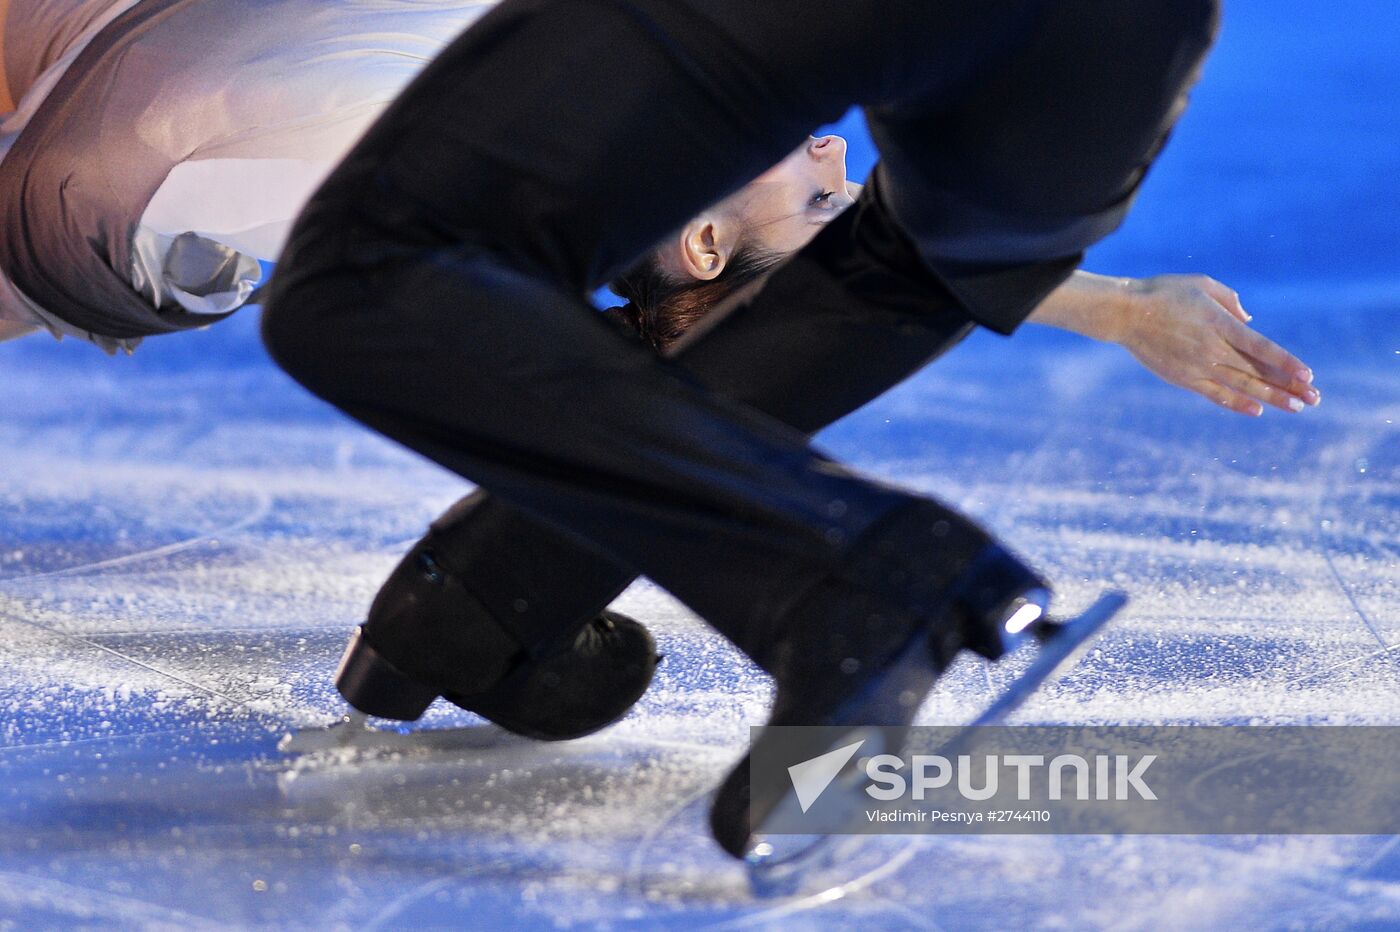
(811, 777)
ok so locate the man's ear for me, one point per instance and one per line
(706, 243)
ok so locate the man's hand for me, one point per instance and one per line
(1191, 331)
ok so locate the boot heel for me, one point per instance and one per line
(1001, 601)
(376, 687)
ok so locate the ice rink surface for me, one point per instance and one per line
(188, 539)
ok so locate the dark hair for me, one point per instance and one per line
(660, 307)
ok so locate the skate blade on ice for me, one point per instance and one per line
(782, 865)
(353, 733)
(1060, 646)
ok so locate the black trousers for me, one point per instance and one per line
(433, 287)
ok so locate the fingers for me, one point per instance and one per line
(1255, 345)
(1257, 389)
(1229, 398)
(1225, 296)
(1295, 386)
(1260, 348)
(1274, 365)
(1193, 331)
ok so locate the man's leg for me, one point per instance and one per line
(435, 302)
(536, 588)
(433, 294)
(560, 256)
(1074, 190)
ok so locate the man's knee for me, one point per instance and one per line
(291, 338)
(321, 317)
(305, 319)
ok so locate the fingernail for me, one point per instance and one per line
(1312, 396)
(1296, 404)
(1306, 375)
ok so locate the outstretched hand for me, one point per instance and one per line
(1193, 332)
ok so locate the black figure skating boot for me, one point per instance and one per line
(861, 648)
(430, 633)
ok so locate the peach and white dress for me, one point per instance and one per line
(160, 149)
